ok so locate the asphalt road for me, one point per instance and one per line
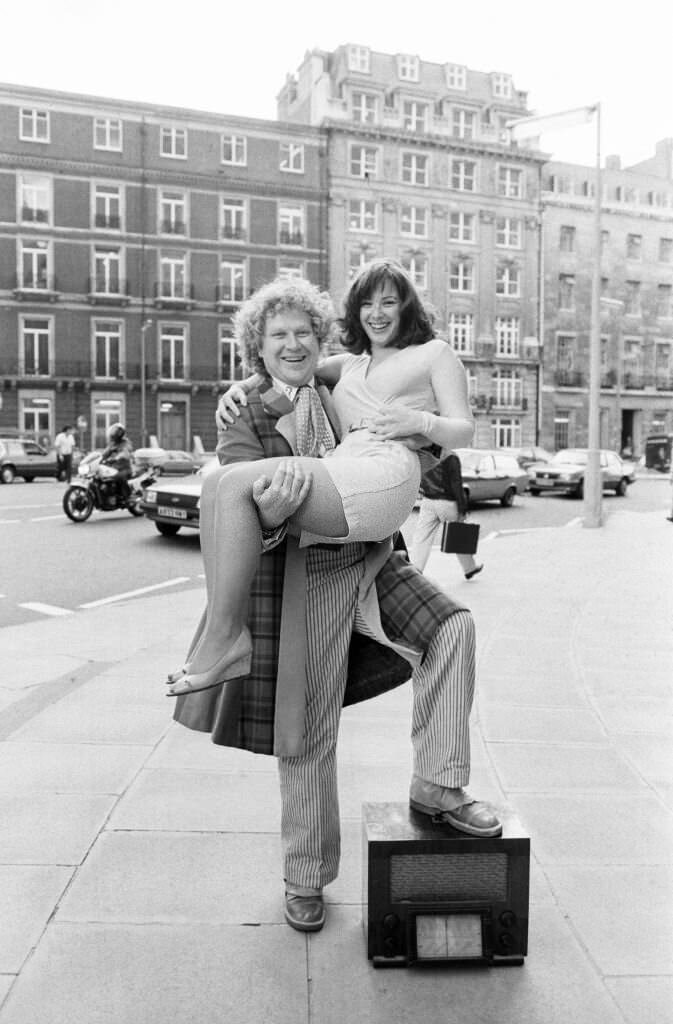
(53, 567)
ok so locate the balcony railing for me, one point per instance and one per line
(175, 298)
(33, 215)
(41, 287)
(291, 238)
(227, 296)
(236, 233)
(608, 379)
(569, 378)
(664, 382)
(111, 221)
(636, 381)
(101, 291)
(173, 227)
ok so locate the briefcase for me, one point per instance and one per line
(460, 538)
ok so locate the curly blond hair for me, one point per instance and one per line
(277, 297)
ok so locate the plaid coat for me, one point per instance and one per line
(241, 714)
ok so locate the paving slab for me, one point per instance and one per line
(556, 984)
(68, 767)
(643, 1000)
(28, 895)
(535, 766)
(51, 828)
(502, 722)
(178, 878)
(187, 750)
(100, 974)
(90, 724)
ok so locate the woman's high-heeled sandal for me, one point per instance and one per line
(234, 663)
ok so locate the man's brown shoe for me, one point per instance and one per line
(305, 913)
(456, 808)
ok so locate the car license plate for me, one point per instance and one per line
(172, 513)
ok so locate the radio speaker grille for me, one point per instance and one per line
(435, 877)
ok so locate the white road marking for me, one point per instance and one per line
(45, 609)
(42, 519)
(24, 508)
(575, 522)
(135, 593)
(6, 522)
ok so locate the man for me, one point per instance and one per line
(64, 444)
(323, 591)
(443, 501)
(119, 455)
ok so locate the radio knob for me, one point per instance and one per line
(507, 919)
(389, 947)
(505, 940)
(390, 922)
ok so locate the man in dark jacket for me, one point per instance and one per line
(119, 455)
(303, 608)
(443, 502)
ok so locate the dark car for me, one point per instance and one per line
(174, 504)
(489, 473)
(167, 462)
(565, 473)
(20, 456)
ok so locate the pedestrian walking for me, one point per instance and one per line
(64, 444)
(443, 502)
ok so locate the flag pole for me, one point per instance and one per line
(593, 489)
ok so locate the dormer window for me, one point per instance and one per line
(407, 67)
(358, 59)
(501, 86)
(455, 76)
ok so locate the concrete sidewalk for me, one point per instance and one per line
(140, 865)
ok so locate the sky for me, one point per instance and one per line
(233, 56)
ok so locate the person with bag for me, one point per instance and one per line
(443, 502)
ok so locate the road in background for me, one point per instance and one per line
(51, 566)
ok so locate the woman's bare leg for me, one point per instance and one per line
(231, 547)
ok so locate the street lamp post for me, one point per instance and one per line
(593, 487)
(146, 324)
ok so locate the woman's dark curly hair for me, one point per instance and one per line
(416, 322)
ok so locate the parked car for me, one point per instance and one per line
(526, 457)
(20, 456)
(490, 474)
(174, 504)
(167, 462)
(565, 473)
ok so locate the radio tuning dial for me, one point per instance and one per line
(390, 922)
(507, 919)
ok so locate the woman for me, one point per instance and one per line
(443, 502)
(398, 389)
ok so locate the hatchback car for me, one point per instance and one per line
(167, 462)
(489, 474)
(527, 456)
(174, 504)
(565, 473)
(19, 456)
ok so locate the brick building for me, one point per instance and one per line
(636, 397)
(420, 167)
(131, 230)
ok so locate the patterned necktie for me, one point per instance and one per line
(314, 436)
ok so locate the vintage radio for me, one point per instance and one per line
(433, 895)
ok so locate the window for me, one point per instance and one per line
(666, 250)
(566, 291)
(508, 388)
(235, 150)
(507, 330)
(633, 363)
(510, 182)
(364, 107)
(357, 259)
(173, 274)
(173, 142)
(501, 86)
(291, 225)
(508, 280)
(364, 161)
(414, 168)
(416, 265)
(632, 305)
(234, 219)
(664, 303)
(107, 205)
(567, 238)
(455, 76)
(662, 362)
(461, 332)
(565, 352)
(508, 232)
(231, 367)
(414, 221)
(106, 270)
(33, 125)
(292, 157)
(107, 133)
(172, 213)
(464, 175)
(362, 215)
(358, 59)
(35, 199)
(35, 266)
(461, 227)
(506, 432)
(461, 276)
(232, 281)
(561, 429)
(36, 414)
(407, 67)
(290, 269)
(107, 348)
(36, 353)
(634, 247)
(605, 239)
(414, 116)
(172, 351)
(463, 123)
(106, 411)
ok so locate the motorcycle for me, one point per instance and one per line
(98, 487)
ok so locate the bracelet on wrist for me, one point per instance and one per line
(426, 423)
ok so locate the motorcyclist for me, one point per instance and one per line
(119, 455)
